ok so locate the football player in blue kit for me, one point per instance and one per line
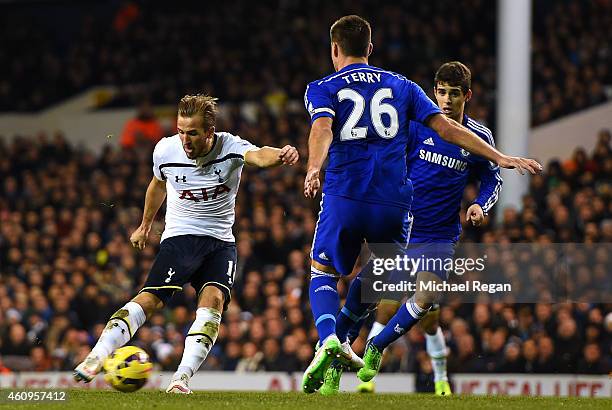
(439, 172)
(360, 118)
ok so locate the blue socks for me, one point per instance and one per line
(353, 314)
(324, 302)
(353, 332)
(405, 317)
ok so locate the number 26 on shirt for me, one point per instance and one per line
(349, 130)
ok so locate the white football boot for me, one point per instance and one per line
(354, 362)
(88, 369)
(348, 357)
(179, 385)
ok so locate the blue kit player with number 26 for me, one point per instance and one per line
(360, 116)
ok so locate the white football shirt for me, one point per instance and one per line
(201, 192)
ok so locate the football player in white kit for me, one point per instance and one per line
(198, 170)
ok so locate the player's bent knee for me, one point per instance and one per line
(211, 297)
(423, 297)
(385, 311)
(324, 268)
(149, 302)
(429, 323)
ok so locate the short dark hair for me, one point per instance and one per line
(353, 34)
(454, 73)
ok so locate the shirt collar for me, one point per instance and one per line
(204, 158)
(353, 66)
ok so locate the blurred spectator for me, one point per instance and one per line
(251, 358)
(592, 362)
(530, 355)
(272, 360)
(466, 360)
(16, 343)
(41, 362)
(144, 128)
(547, 362)
(512, 362)
(3, 368)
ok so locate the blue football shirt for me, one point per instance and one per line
(371, 110)
(439, 172)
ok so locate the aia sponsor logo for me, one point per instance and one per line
(204, 194)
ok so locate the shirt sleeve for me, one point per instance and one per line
(490, 183)
(237, 146)
(157, 161)
(421, 106)
(318, 102)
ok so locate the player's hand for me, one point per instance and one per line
(521, 164)
(312, 184)
(139, 237)
(289, 155)
(475, 215)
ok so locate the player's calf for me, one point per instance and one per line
(118, 331)
(437, 351)
(200, 338)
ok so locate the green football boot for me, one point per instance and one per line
(443, 388)
(371, 365)
(331, 383)
(315, 373)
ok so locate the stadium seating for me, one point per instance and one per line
(241, 52)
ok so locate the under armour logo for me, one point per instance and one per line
(184, 178)
(115, 324)
(170, 273)
(200, 340)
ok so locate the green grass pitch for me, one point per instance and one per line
(148, 399)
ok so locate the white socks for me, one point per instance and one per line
(436, 348)
(119, 330)
(376, 329)
(200, 339)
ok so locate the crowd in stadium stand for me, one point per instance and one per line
(67, 264)
(268, 52)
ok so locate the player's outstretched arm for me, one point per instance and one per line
(455, 133)
(265, 157)
(156, 193)
(320, 139)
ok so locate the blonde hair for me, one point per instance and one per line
(199, 104)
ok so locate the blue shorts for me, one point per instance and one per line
(435, 249)
(344, 224)
(430, 253)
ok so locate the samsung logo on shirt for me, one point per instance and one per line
(443, 160)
